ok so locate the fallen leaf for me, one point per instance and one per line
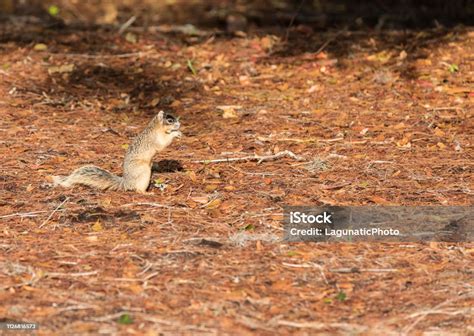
(457, 90)
(105, 202)
(53, 10)
(379, 200)
(268, 42)
(283, 87)
(65, 68)
(225, 107)
(135, 288)
(244, 80)
(404, 142)
(399, 126)
(248, 227)
(192, 176)
(313, 88)
(382, 57)
(268, 181)
(40, 47)
(441, 145)
(282, 285)
(210, 188)
(452, 68)
(191, 67)
(125, 319)
(341, 296)
(213, 204)
(97, 227)
(154, 102)
(200, 199)
(229, 111)
(131, 37)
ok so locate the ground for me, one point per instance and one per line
(377, 118)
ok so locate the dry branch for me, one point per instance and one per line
(318, 326)
(127, 24)
(258, 158)
(153, 205)
(89, 56)
(24, 214)
(67, 275)
(358, 270)
(307, 140)
(53, 212)
(435, 310)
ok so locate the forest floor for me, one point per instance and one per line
(379, 119)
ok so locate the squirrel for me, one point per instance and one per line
(137, 165)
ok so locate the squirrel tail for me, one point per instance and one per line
(90, 176)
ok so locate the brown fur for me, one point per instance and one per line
(159, 133)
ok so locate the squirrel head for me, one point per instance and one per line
(166, 128)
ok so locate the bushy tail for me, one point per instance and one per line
(90, 176)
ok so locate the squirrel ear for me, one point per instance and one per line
(158, 119)
(160, 116)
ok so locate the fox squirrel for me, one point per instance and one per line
(159, 133)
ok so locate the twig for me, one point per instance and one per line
(293, 20)
(258, 158)
(464, 311)
(369, 165)
(53, 212)
(75, 307)
(301, 140)
(127, 24)
(24, 214)
(325, 44)
(126, 55)
(65, 275)
(321, 270)
(317, 325)
(154, 205)
(297, 265)
(358, 270)
(149, 276)
(425, 313)
(447, 108)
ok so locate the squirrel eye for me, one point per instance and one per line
(169, 120)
